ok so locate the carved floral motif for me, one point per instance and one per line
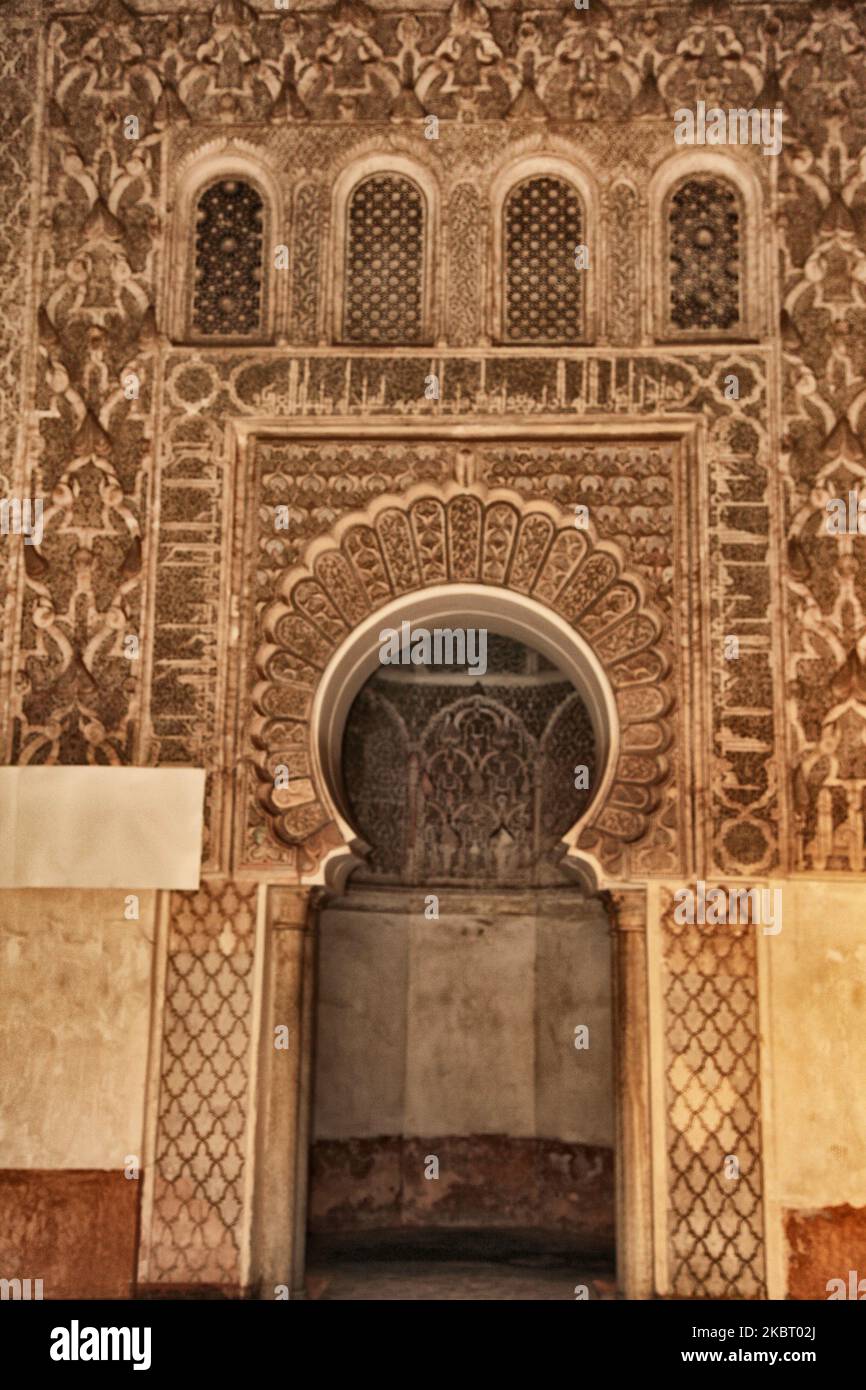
(313, 87)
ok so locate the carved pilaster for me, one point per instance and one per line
(285, 1074)
(634, 1247)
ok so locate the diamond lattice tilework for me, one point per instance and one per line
(715, 1228)
(201, 1129)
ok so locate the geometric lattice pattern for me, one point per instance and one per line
(704, 249)
(228, 260)
(385, 262)
(712, 1083)
(204, 1083)
(542, 284)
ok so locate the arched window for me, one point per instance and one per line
(543, 225)
(704, 258)
(384, 275)
(229, 288)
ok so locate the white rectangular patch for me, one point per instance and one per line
(101, 827)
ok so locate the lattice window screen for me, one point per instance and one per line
(712, 1082)
(204, 1083)
(228, 289)
(384, 273)
(704, 256)
(543, 226)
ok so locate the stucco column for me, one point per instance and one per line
(632, 1157)
(284, 1092)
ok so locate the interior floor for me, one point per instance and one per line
(456, 1265)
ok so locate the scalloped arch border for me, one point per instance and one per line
(430, 550)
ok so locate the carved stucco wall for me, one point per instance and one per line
(22, 70)
(148, 499)
(91, 450)
(102, 281)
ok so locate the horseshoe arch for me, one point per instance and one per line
(459, 555)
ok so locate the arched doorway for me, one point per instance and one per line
(431, 556)
(463, 1116)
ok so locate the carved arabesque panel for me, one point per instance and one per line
(466, 224)
(22, 93)
(476, 795)
(309, 232)
(622, 236)
(823, 189)
(76, 689)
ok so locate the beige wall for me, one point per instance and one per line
(464, 1025)
(74, 1020)
(814, 983)
(812, 1007)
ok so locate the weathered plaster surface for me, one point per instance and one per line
(817, 995)
(493, 999)
(74, 1021)
(76, 1231)
(455, 1038)
(815, 1119)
